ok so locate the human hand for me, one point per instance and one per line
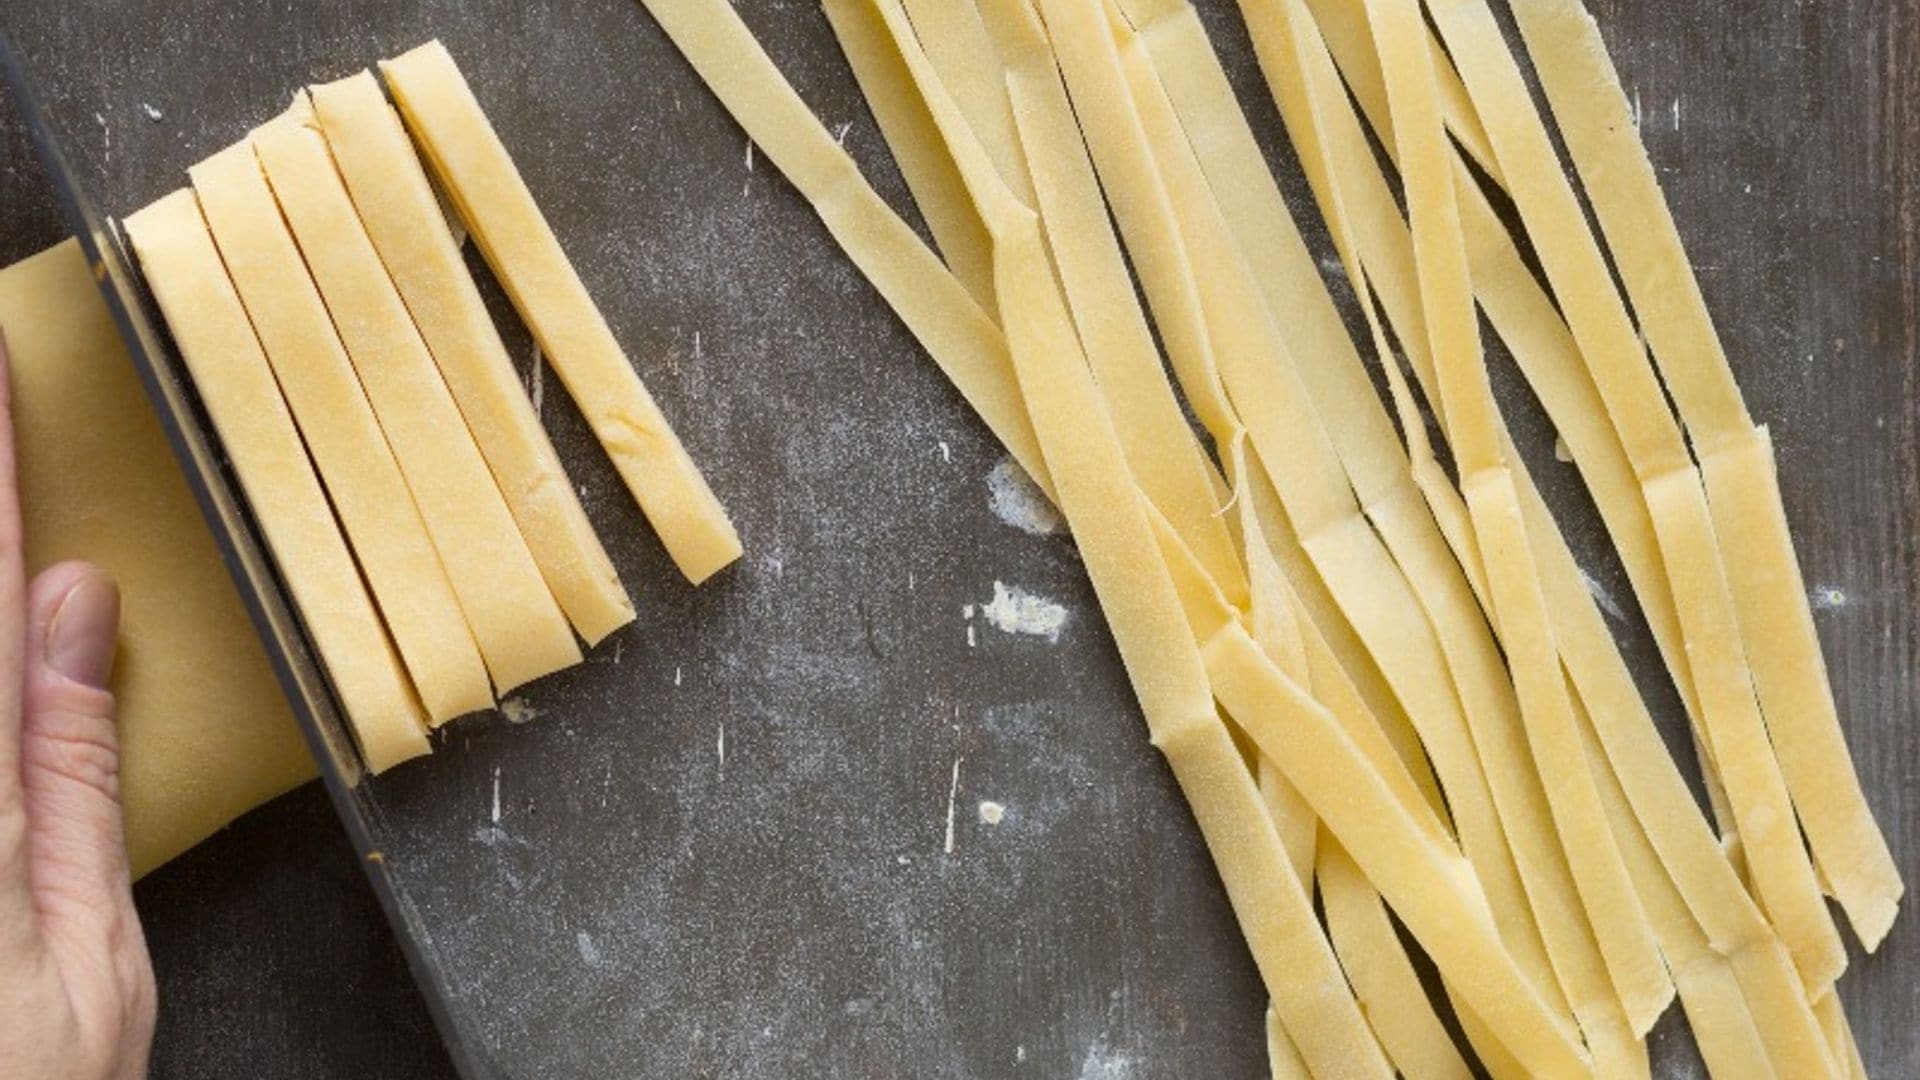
(76, 986)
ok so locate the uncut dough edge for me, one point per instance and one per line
(400, 210)
(461, 145)
(231, 372)
(195, 692)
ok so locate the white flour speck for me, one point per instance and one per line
(1013, 610)
(496, 795)
(720, 747)
(1602, 597)
(1105, 1063)
(992, 813)
(517, 711)
(946, 452)
(1827, 597)
(749, 155)
(676, 674)
(153, 114)
(953, 794)
(1636, 108)
(589, 952)
(1016, 501)
(1676, 114)
(840, 135)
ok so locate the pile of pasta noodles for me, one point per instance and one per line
(1370, 660)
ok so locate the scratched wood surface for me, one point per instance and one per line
(748, 843)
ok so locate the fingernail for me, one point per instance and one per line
(85, 631)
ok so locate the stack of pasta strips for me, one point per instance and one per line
(1374, 677)
(417, 511)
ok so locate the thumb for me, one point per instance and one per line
(70, 762)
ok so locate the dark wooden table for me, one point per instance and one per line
(1089, 938)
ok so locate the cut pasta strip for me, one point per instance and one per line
(1723, 1026)
(1420, 881)
(1519, 309)
(1383, 978)
(1542, 862)
(481, 178)
(368, 491)
(1658, 793)
(1782, 871)
(961, 338)
(1343, 549)
(1335, 653)
(923, 159)
(1272, 619)
(1748, 1012)
(400, 211)
(1776, 626)
(1343, 23)
(1736, 459)
(1245, 331)
(514, 619)
(1111, 527)
(1840, 1037)
(957, 43)
(1543, 346)
(1612, 906)
(234, 381)
(1283, 1059)
(1167, 460)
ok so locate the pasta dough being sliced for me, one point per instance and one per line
(485, 185)
(367, 490)
(515, 622)
(237, 385)
(399, 209)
